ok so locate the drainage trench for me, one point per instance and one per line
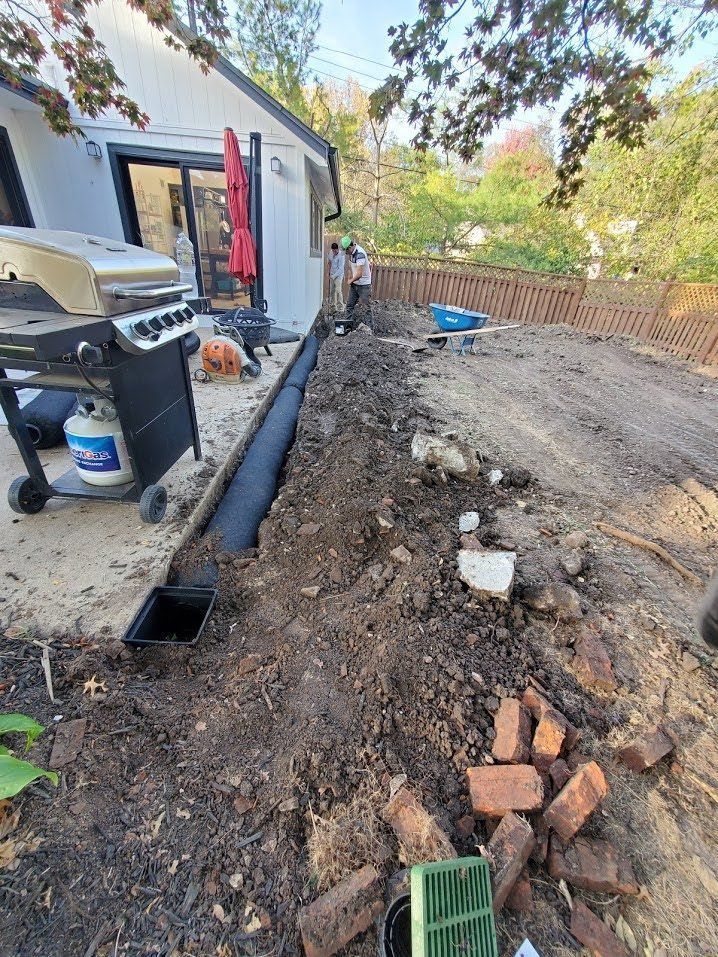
(251, 491)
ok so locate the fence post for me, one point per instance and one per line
(649, 323)
(571, 321)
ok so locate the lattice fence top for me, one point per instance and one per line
(468, 267)
(631, 293)
(691, 297)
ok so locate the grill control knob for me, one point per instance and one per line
(187, 313)
(141, 329)
(167, 320)
(156, 324)
(179, 316)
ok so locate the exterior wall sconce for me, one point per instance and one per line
(275, 164)
(93, 149)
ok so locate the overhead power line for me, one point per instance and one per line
(355, 56)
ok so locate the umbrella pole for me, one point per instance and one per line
(256, 290)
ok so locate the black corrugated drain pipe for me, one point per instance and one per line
(250, 494)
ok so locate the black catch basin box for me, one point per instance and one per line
(171, 616)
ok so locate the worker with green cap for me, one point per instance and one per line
(359, 282)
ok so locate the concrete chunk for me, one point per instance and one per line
(335, 918)
(512, 724)
(499, 788)
(577, 800)
(507, 852)
(456, 458)
(488, 574)
(646, 750)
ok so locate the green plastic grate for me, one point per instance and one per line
(451, 912)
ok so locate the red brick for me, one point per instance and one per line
(465, 827)
(598, 939)
(512, 724)
(560, 772)
(507, 852)
(335, 918)
(521, 896)
(592, 664)
(548, 740)
(646, 750)
(592, 865)
(421, 837)
(577, 800)
(496, 789)
(537, 705)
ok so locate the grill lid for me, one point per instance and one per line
(88, 275)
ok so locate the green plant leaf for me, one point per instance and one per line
(21, 724)
(4, 750)
(16, 775)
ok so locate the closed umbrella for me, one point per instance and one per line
(243, 254)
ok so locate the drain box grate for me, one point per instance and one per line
(171, 615)
(451, 912)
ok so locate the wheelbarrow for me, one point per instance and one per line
(459, 327)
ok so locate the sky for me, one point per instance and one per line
(354, 32)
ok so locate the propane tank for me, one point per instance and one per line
(97, 445)
(226, 357)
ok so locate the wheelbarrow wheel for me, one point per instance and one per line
(438, 343)
(25, 498)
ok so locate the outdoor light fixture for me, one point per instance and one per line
(93, 149)
(276, 164)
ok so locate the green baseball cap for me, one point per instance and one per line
(345, 242)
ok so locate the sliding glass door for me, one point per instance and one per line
(162, 198)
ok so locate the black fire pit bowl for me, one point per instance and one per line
(171, 616)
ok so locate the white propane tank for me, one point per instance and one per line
(97, 445)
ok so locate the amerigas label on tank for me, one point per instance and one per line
(93, 453)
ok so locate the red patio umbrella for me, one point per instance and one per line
(243, 254)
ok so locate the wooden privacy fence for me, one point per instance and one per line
(679, 318)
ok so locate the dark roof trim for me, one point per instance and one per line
(28, 89)
(235, 76)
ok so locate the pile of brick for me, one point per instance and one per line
(534, 801)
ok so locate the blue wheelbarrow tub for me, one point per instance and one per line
(454, 319)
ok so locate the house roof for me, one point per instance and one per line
(291, 122)
(28, 88)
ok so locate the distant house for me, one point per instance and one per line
(147, 186)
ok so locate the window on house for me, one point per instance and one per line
(315, 225)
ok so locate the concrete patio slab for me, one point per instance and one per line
(86, 567)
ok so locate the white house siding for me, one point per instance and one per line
(67, 189)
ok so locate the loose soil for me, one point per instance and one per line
(183, 826)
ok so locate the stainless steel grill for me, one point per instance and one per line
(100, 318)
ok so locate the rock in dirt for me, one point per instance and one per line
(68, 742)
(577, 801)
(488, 574)
(689, 662)
(512, 724)
(248, 664)
(595, 936)
(465, 826)
(456, 458)
(497, 789)
(556, 598)
(592, 865)
(311, 591)
(572, 563)
(592, 664)
(576, 540)
(548, 740)
(521, 898)
(330, 922)
(401, 555)
(420, 837)
(507, 852)
(646, 750)
(469, 521)
(495, 476)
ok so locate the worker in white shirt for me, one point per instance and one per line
(359, 282)
(337, 264)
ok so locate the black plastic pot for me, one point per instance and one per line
(395, 929)
(171, 615)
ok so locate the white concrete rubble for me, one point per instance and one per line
(495, 476)
(489, 574)
(469, 521)
(456, 458)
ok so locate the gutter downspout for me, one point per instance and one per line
(334, 173)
